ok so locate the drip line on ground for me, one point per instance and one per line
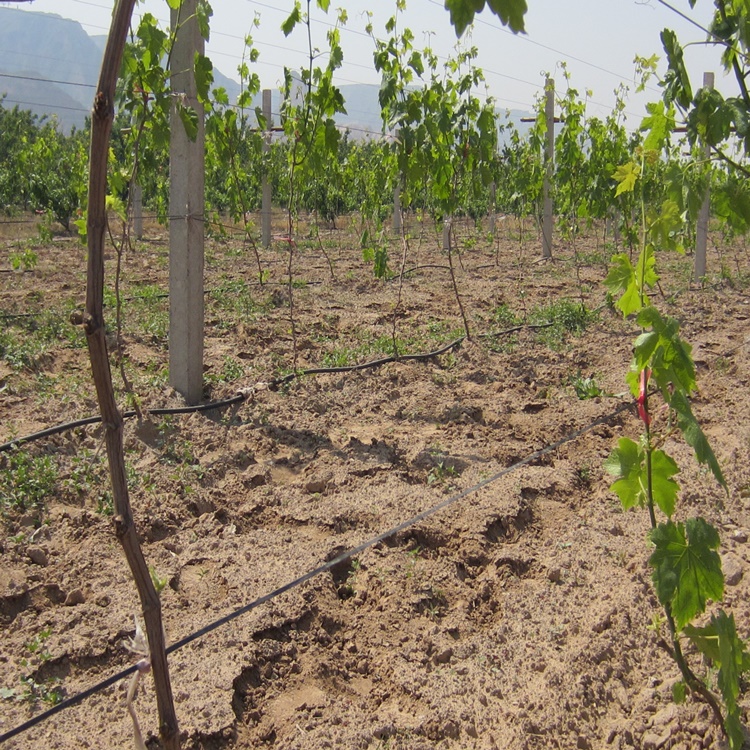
(327, 566)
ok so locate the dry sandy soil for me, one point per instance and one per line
(516, 617)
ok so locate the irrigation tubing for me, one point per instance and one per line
(275, 383)
(338, 560)
(237, 398)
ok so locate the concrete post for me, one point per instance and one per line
(549, 166)
(265, 210)
(186, 214)
(447, 234)
(493, 195)
(138, 211)
(701, 230)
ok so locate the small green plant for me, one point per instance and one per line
(440, 473)
(566, 317)
(37, 645)
(24, 259)
(105, 504)
(31, 691)
(159, 583)
(585, 387)
(26, 481)
(686, 567)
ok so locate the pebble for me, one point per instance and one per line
(554, 575)
(74, 597)
(443, 657)
(38, 556)
(732, 568)
(654, 741)
(317, 485)
(739, 536)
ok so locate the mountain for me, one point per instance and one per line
(50, 65)
(58, 51)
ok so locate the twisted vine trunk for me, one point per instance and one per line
(102, 117)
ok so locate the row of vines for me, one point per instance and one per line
(444, 149)
(447, 147)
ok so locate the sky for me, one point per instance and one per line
(597, 40)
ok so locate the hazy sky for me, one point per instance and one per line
(597, 38)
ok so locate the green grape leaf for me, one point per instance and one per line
(626, 462)
(677, 81)
(670, 358)
(189, 119)
(720, 643)
(687, 569)
(621, 280)
(203, 15)
(733, 658)
(292, 20)
(666, 224)
(663, 488)
(645, 269)
(694, 435)
(659, 125)
(204, 75)
(626, 175)
(510, 12)
(679, 692)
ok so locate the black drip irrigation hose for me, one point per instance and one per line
(327, 566)
(236, 399)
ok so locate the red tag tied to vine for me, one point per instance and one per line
(642, 408)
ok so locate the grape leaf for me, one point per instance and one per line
(720, 643)
(621, 280)
(204, 75)
(189, 119)
(670, 358)
(510, 12)
(292, 20)
(676, 80)
(626, 175)
(663, 488)
(628, 463)
(694, 436)
(625, 462)
(687, 569)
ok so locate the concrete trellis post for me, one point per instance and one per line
(549, 165)
(186, 209)
(447, 222)
(701, 230)
(138, 211)
(265, 211)
(397, 208)
(493, 197)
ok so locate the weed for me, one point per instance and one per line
(572, 317)
(25, 259)
(440, 473)
(26, 481)
(585, 387)
(231, 371)
(105, 504)
(159, 583)
(504, 317)
(49, 691)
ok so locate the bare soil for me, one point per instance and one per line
(519, 616)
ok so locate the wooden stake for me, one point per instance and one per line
(102, 117)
